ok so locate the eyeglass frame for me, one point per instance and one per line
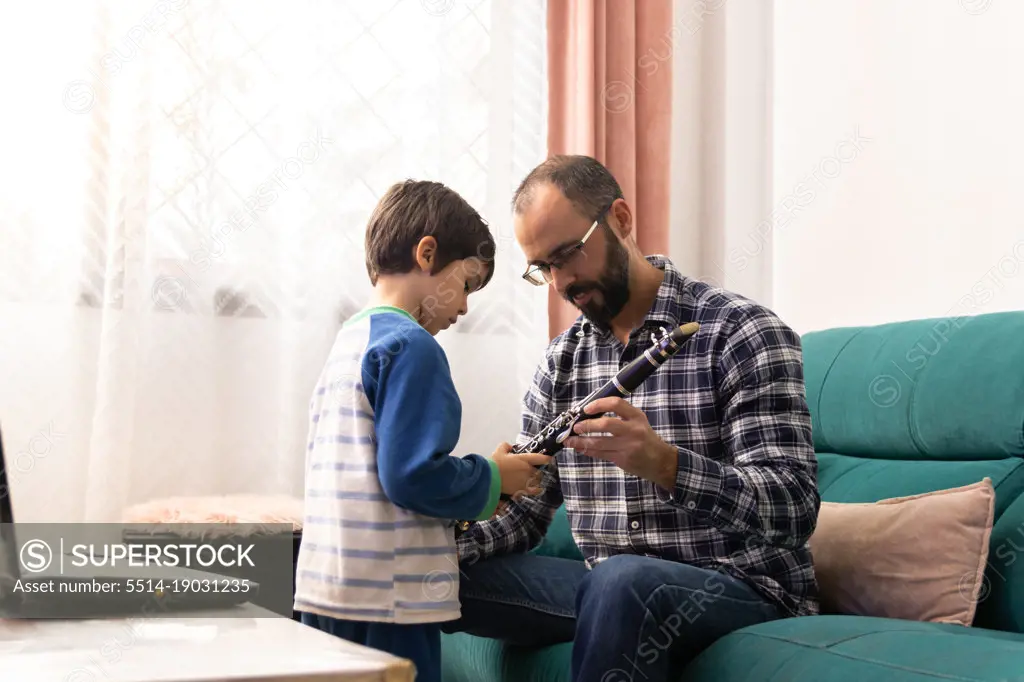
(563, 257)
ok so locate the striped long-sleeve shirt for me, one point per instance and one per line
(382, 486)
(732, 402)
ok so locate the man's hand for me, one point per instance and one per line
(633, 446)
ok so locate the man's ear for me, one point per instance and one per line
(622, 224)
(425, 254)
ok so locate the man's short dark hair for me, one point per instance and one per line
(583, 180)
(414, 209)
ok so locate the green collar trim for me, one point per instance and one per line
(366, 312)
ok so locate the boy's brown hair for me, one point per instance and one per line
(414, 209)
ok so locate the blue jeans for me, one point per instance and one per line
(630, 618)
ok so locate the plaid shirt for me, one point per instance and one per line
(732, 402)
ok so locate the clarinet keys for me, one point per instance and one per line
(568, 431)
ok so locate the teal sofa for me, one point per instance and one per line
(898, 409)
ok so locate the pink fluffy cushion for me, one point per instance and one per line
(247, 509)
(919, 558)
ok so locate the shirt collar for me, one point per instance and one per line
(665, 309)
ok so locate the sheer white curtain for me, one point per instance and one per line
(182, 219)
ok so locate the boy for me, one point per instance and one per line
(377, 564)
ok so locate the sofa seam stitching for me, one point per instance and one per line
(824, 379)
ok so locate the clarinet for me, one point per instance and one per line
(550, 440)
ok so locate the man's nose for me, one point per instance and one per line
(561, 278)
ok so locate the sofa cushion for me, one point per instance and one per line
(856, 648)
(946, 388)
(920, 557)
(474, 659)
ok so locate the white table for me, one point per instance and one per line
(239, 648)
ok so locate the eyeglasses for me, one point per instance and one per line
(540, 274)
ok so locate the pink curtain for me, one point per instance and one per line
(610, 97)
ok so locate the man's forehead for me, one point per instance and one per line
(546, 222)
(546, 201)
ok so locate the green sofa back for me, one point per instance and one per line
(910, 407)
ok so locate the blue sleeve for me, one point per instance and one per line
(418, 416)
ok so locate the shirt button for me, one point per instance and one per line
(691, 505)
(634, 525)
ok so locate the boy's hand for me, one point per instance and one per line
(519, 473)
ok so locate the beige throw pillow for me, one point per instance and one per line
(917, 558)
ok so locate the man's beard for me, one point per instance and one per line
(613, 285)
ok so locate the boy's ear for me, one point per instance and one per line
(426, 254)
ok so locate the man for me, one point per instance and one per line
(694, 511)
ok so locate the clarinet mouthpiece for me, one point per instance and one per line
(685, 331)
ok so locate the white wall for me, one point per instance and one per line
(897, 177)
(721, 142)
